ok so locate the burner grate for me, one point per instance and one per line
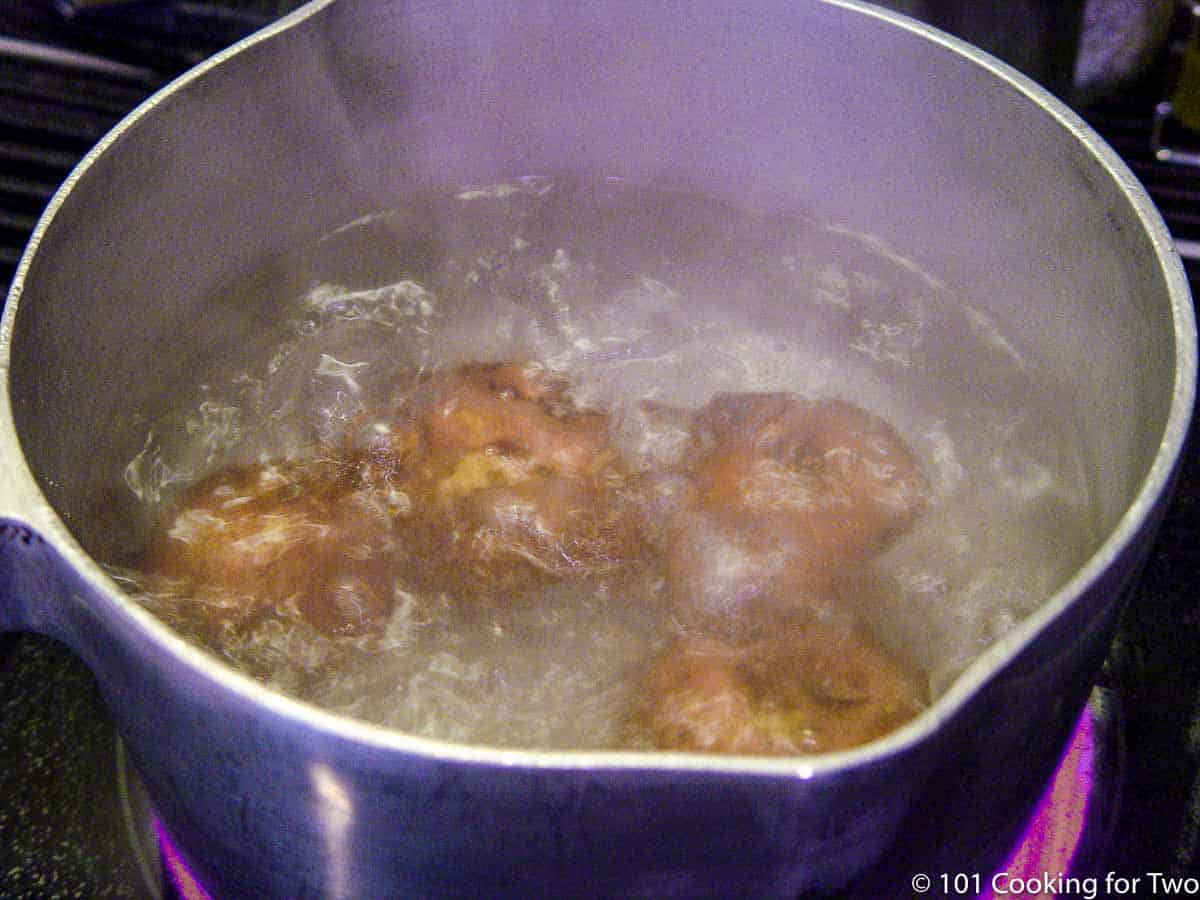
(166, 37)
(51, 113)
(1174, 187)
(65, 80)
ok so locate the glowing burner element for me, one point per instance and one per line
(1036, 869)
(1039, 865)
(182, 880)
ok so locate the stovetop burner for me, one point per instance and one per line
(165, 874)
(1065, 849)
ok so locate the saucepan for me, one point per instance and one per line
(835, 110)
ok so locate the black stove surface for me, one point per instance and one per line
(68, 72)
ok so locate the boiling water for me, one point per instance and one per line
(635, 295)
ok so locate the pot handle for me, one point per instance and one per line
(24, 570)
(30, 567)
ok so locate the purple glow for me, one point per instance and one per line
(1048, 845)
(181, 876)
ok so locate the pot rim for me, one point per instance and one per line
(33, 507)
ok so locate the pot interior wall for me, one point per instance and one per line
(822, 108)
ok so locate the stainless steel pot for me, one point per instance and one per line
(856, 114)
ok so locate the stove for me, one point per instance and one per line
(74, 820)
